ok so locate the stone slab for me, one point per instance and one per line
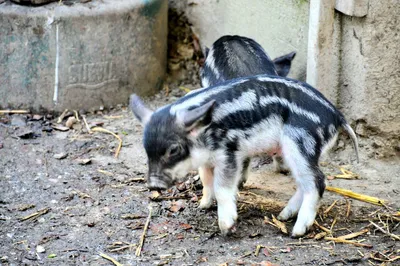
(81, 56)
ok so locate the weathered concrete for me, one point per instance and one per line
(370, 76)
(321, 47)
(81, 56)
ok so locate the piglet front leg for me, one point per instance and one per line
(225, 188)
(207, 179)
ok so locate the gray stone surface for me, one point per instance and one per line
(81, 56)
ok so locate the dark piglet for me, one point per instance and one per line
(233, 56)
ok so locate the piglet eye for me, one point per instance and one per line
(174, 150)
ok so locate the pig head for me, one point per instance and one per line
(169, 141)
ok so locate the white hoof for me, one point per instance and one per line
(299, 230)
(227, 226)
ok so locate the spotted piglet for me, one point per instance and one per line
(217, 129)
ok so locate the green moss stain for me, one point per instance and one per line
(301, 2)
(39, 49)
(151, 7)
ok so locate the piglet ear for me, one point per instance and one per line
(199, 117)
(283, 63)
(140, 110)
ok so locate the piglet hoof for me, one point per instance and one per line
(205, 203)
(228, 231)
(227, 226)
(298, 231)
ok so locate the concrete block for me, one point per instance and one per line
(81, 56)
(356, 8)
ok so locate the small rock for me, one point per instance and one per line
(362, 130)
(37, 117)
(340, 144)
(84, 161)
(4, 259)
(1, 145)
(25, 133)
(18, 121)
(40, 249)
(377, 144)
(60, 156)
(70, 122)
(47, 129)
(60, 127)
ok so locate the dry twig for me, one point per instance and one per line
(330, 207)
(344, 241)
(61, 117)
(326, 230)
(105, 172)
(139, 248)
(86, 124)
(279, 224)
(13, 112)
(110, 259)
(35, 215)
(353, 235)
(385, 232)
(77, 116)
(99, 129)
(348, 208)
(346, 174)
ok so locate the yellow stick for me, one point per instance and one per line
(14, 112)
(357, 196)
(339, 240)
(353, 235)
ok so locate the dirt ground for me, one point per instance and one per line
(66, 200)
(90, 202)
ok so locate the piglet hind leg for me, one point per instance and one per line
(245, 172)
(225, 187)
(207, 179)
(310, 186)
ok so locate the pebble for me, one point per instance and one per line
(40, 249)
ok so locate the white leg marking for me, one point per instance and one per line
(305, 180)
(293, 206)
(225, 188)
(207, 178)
(307, 213)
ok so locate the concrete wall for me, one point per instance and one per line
(365, 54)
(82, 56)
(370, 63)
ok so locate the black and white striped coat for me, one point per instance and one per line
(218, 128)
(233, 56)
